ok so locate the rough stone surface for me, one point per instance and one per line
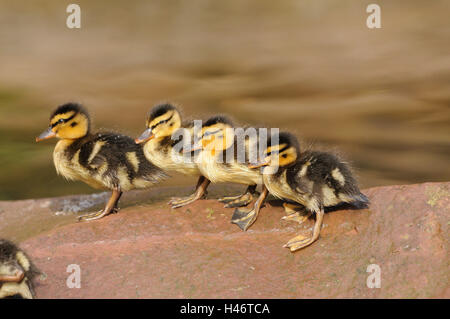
(148, 250)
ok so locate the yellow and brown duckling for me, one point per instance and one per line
(16, 272)
(312, 179)
(102, 160)
(218, 161)
(164, 139)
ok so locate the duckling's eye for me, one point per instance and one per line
(162, 122)
(210, 133)
(284, 155)
(61, 121)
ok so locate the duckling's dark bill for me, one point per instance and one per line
(258, 165)
(147, 135)
(46, 135)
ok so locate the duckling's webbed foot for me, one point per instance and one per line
(116, 207)
(295, 213)
(111, 207)
(298, 242)
(91, 216)
(200, 192)
(182, 201)
(240, 200)
(245, 218)
(301, 241)
(229, 199)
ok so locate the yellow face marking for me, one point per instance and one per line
(63, 116)
(277, 158)
(77, 127)
(273, 148)
(160, 118)
(288, 156)
(217, 137)
(133, 160)
(215, 127)
(209, 131)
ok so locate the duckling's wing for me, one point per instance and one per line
(297, 179)
(329, 171)
(115, 156)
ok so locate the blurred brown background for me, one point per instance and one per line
(381, 97)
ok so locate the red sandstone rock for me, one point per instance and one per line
(148, 250)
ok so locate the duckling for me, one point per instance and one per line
(164, 139)
(101, 160)
(312, 179)
(16, 272)
(219, 162)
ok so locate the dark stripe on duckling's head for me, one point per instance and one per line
(285, 140)
(218, 119)
(217, 133)
(70, 107)
(160, 109)
(152, 127)
(216, 125)
(65, 120)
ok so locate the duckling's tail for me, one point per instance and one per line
(361, 201)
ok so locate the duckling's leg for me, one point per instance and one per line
(175, 200)
(200, 191)
(301, 241)
(240, 200)
(295, 213)
(109, 208)
(116, 208)
(243, 218)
